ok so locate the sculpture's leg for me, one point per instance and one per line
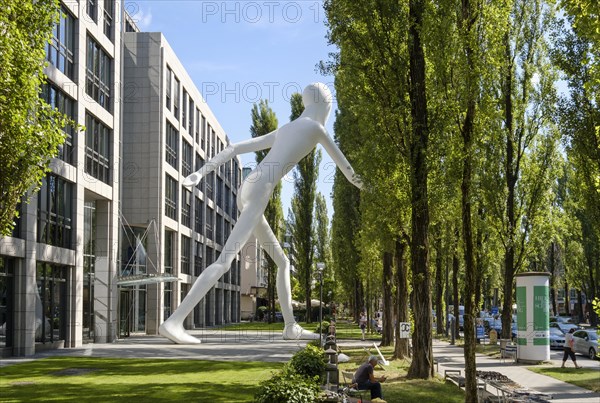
(172, 328)
(270, 244)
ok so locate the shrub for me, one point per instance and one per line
(288, 387)
(309, 362)
(323, 325)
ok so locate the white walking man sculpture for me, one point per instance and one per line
(288, 145)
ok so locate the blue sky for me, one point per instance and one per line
(238, 52)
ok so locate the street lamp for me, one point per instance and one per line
(320, 268)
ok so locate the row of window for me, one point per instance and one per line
(60, 52)
(97, 140)
(228, 169)
(222, 228)
(192, 119)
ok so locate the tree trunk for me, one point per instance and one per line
(387, 331)
(466, 22)
(439, 286)
(401, 348)
(422, 363)
(455, 299)
(511, 180)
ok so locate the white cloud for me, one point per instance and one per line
(141, 17)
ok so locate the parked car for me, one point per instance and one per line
(564, 327)
(586, 342)
(557, 338)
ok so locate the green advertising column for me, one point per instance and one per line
(533, 316)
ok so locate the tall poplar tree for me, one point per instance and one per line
(264, 121)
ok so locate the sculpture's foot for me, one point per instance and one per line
(176, 334)
(294, 331)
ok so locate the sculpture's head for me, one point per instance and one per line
(317, 101)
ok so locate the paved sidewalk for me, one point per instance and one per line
(452, 357)
(218, 346)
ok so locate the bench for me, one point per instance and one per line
(509, 351)
(352, 388)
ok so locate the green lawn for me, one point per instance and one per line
(397, 388)
(344, 329)
(132, 380)
(588, 378)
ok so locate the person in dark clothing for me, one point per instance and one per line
(365, 379)
(569, 349)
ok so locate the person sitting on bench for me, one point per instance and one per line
(365, 380)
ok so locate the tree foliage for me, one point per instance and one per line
(30, 130)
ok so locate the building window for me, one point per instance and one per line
(186, 207)
(227, 197)
(98, 74)
(7, 288)
(219, 191)
(172, 145)
(209, 256)
(198, 259)
(168, 297)
(176, 99)
(203, 127)
(212, 143)
(184, 108)
(92, 9)
(188, 155)
(97, 149)
(89, 270)
(168, 86)
(191, 117)
(168, 252)
(60, 49)
(55, 212)
(186, 254)
(52, 290)
(210, 180)
(59, 100)
(170, 197)
(108, 18)
(209, 223)
(198, 119)
(235, 175)
(219, 229)
(199, 215)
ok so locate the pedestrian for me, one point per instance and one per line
(362, 322)
(365, 380)
(569, 352)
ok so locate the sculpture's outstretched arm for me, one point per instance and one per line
(340, 160)
(246, 146)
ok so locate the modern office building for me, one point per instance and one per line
(168, 133)
(112, 241)
(57, 270)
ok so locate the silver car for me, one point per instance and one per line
(586, 343)
(557, 338)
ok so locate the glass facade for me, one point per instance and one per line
(59, 100)
(61, 48)
(55, 212)
(51, 290)
(171, 145)
(6, 302)
(89, 268)
(98, 74)
(171, 197)
(97, 149)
